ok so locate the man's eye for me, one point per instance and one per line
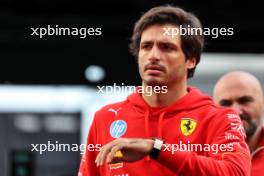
(146, 46)
(166, 47)
(245, 100)
(225, 103)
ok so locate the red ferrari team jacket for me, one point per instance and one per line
(258, 158)
(201, 138)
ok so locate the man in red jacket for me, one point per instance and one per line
(174, 132)
(242, 91)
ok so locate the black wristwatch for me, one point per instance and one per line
(154, 154)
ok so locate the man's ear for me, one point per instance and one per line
(191, 62)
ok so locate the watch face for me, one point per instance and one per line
(158, 144)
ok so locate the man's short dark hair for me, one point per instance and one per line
(192, 45)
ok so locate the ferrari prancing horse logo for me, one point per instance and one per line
(188, 126)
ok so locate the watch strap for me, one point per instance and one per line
(157, 147)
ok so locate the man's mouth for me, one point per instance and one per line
(154, 69)
(245, 123)
(245, 120)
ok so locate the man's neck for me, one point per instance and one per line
(254, 139)
(164, 99)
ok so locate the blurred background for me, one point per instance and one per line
(48, 86)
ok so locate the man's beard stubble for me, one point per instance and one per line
(252, 126)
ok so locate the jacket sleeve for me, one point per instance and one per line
(87, 165)
(235, 161)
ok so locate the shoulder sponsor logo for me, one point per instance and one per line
(188, 126)
(118, 128)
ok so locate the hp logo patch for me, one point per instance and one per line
(118, 128)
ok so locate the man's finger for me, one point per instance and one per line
(115, 152)
(99, 157)
(104, 151)
(103, 154)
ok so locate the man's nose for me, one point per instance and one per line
(237, 108)
(155, 54)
